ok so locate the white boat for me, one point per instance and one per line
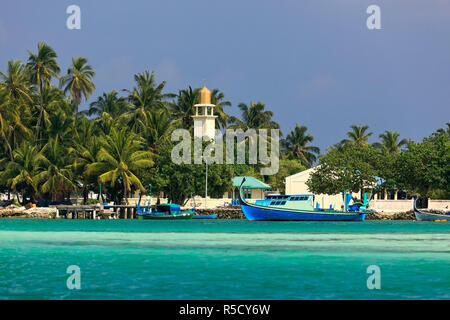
(428, 216)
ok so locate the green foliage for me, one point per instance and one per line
(179, 181)
(351, 167)
(424, 167)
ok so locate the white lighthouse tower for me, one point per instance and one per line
(204, 118)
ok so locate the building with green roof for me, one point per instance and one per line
(252, 189)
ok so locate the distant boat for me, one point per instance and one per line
(165, 211)
(202, 216)
(294, 208)
(428, 216)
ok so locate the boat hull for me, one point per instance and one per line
(262, 214)
(164, 217)
(426, 216)
(180, 215)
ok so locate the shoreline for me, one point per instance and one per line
(222, 214)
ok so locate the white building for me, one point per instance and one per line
(204, 118)
(383, 201)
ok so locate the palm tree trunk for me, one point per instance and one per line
(11, 157)
(76, 118)
(125, 191)
(40, 111)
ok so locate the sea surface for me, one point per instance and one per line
(223, 259)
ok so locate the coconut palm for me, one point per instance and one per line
(390, 143)
(147, 93)
(11, 127)
(85, 151)
(121, 156)
(217, 98)
(54, 170)
(59, 127)
(147, 96)
(157, 129)
(6, 113)
(15, 81)
(295, 145)
(18, 125)
(183, 109)
(254, 116)
(110, 103)
(78, 81)
(358, 135)
(20, 172)
(42, 67)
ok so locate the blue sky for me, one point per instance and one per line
(312, 62)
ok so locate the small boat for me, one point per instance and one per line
(202, 216)
(205, 216)
(428, 216)
(165, 211)
(295, 208)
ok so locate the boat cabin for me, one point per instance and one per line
(167, 208)
(296, 201)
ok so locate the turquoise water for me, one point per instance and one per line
(223, 259)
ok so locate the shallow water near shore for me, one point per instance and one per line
(223, 259)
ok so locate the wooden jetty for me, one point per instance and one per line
(96, 211)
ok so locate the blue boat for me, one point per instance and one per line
(297, 208)
(202, 216)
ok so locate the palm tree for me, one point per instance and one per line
(389, 142)
(217, 98)
(54, 170)
(5, 114)
(147, 93)
(59, 127)
(295, 145)
(109, 103)
(78, 81)
(86, 149)
(21, 171)
(146, 97)
(254, 116)
(358, 135)
(42, 67)
(121, 157)
(15, 81)
(183, 108)
(157, 129)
